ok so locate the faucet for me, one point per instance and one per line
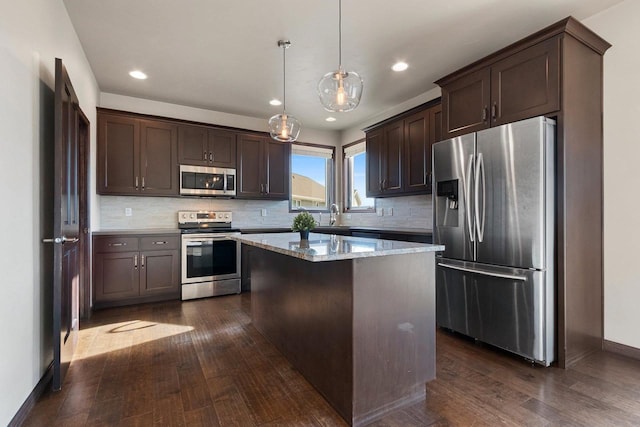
(334, 211)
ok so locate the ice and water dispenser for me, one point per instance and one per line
(447, 203)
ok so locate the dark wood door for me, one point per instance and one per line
(159, 272)
(158, 158)
(116, 276)
(193, 145)
(526, 84)
(417, 149)
(466, 103)
(66, 217)
(118, 155)
(435, 123)
(277, 165)
(374, 168)
(222, 148)
(392, 158)
(250, 166)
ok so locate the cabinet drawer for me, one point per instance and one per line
(115, 244)
(160, 242)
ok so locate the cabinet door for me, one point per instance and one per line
(159, 272)
(118, 168)
(435, 124)
(116, 276)
(222, 148)
(250, 169)
(158, 158)
(278, 164)
(417, 149)
(193, 145)
(526, 84)
(465, 104)
(393, 148)
(374, 167)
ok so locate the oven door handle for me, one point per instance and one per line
(205, 241)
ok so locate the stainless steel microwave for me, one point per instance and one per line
(207, 181)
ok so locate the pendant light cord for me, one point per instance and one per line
(340, 34)
(284, 78)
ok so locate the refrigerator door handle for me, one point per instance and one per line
(484, 273)
(479, 174)
(467, 201)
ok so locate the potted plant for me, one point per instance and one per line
(303, 222)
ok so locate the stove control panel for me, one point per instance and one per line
(203, 217)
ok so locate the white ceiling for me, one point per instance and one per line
(223, 55)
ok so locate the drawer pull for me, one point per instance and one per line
(160, 242)
(118, 244)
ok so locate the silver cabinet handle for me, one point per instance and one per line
(484, 273)
(204, 156)
(143, 182)
(118, 244)
(494, 110)
(467, 197)
(484, 113)
(142, 261)
(61, 240)
(136, 182)
(160, 242)
(480, 173)
(135, 262)
(211, 156)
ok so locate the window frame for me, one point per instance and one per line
(346, 178)
(330, 187)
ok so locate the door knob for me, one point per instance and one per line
(61, 240)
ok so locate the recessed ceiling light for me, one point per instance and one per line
(400, 66)
(330, 119)
(137, 74)
(275, 102)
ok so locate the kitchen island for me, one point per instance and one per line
(355, 316)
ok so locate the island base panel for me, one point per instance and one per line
(361, 331)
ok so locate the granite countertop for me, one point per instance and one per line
(136, 231)
(417, 231)
(323, 247)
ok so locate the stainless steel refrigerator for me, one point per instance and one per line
(494, 212)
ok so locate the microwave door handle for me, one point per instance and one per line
(224, 183)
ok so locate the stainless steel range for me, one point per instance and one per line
(210, 259)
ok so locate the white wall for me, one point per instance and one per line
(32, 34)
(620, 26)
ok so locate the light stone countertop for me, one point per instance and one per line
(324, 247)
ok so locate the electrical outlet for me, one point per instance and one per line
(379, 211)
(263, 212)
(348, 216)
(128, 212)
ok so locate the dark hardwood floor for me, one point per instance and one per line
(202, 363)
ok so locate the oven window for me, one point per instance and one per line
(211, 258)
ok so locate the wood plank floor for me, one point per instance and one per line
(201, 363)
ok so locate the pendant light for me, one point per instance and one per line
(283, 127)
(340, 90)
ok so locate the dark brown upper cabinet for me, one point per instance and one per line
(202, 146)
(399, 152)
(263, 167)
(522, 85)
(136, 156)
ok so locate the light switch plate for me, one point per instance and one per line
(388, 212)
(128, 212)
(379, 211)
(263, 212)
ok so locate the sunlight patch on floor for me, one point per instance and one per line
(122, 335)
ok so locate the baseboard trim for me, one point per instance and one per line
(621, 349)
(21, 416)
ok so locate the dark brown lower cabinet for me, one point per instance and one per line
(125, 272)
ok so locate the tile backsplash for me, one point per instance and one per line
(162, 212)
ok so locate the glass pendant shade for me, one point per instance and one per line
(284, 128)
(340, 91)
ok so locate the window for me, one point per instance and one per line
(355, 165)
(311, 177)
